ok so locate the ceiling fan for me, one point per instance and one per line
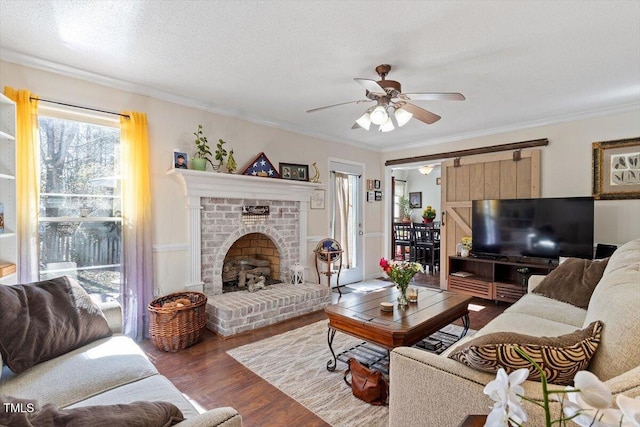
(393, 108)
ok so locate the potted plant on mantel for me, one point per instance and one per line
(221, 153)
(428, 215)
(405, 209)
(200, 159)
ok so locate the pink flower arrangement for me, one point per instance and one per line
(401, 272)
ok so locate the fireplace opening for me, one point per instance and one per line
(252, 259)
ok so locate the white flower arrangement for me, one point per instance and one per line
(587, 404)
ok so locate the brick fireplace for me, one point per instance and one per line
(215, 203)
(224, 226)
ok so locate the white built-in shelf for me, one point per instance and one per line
(9, 278)
(8, 190)
(6, 136)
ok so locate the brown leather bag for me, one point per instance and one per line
(367, 384)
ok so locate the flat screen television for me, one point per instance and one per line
(540, 228)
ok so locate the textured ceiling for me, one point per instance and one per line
(518, 63)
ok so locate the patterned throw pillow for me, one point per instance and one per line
(560, 357)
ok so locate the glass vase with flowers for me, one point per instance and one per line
(401, 273)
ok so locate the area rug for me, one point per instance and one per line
(295, 362)
(370, 285)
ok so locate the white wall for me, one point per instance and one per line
(566, 166)
(431, 195)
(171, 126)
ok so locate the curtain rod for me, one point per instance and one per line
(359, 176)
(77, 106)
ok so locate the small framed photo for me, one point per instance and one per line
(616, 169)
(369, 184)
(376, 184)
(438, 181)
(371, 196)
(294, 171)
(415, 200)
(180, 160)
(378, 195)
(317, 199)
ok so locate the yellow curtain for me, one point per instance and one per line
(137, 283)
(27, 182)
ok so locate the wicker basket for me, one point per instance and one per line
(174, 329)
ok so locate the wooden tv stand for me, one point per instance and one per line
(493, 279)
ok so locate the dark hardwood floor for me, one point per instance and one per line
(211, 378)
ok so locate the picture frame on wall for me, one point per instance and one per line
(378, 196)
(376, 184)
(369, 184)
(294, 172)
(371, 196)
(180, 160)
(317, 199)
(616, 169)
(415, 200)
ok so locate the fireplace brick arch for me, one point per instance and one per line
(279, 241)
(222, 225)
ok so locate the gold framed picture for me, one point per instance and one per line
(616, 169)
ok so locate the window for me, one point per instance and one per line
(398, 191)
(79, 214)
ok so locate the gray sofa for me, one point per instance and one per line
(105, 372)
(430, 390)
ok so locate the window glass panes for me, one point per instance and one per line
(80, 218)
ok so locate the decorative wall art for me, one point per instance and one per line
(317, 199)
(369, 184)
(371, 196)
(376, 184)
(294, 172)
(415, 200)
(616, 169)
(260, 165)
(378, 196)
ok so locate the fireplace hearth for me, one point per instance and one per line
(215, 202)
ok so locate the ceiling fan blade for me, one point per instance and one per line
(420, 113)
(360, 101)
(372, 86)
(432, 96)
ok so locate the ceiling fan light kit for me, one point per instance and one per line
(388, 95)
(387, 126)
(364, 121)
(379, 115)
(402, 116)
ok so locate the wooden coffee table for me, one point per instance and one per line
(360, 316)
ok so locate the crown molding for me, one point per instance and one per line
(587, 114)
(12, 56)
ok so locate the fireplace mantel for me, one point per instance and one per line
(199, 184)
(212, 184)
